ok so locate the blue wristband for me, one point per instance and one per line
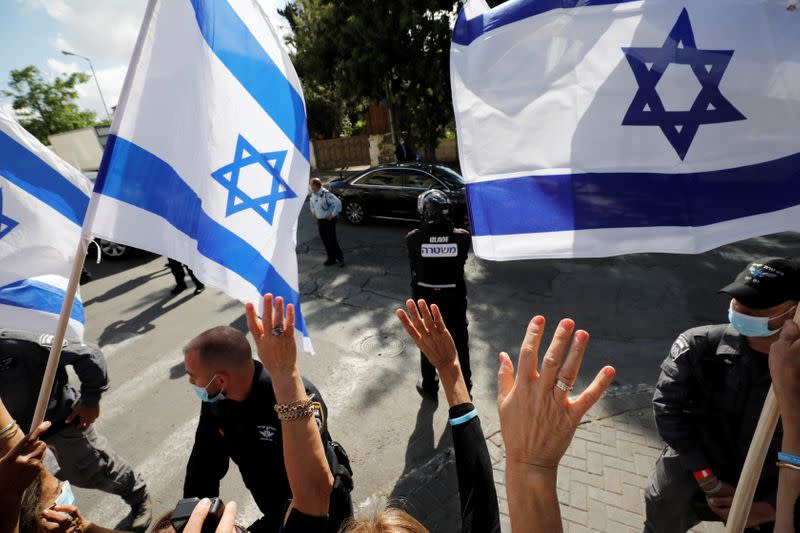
(789, 458)
(463, 419)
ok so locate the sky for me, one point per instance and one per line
(33, 32)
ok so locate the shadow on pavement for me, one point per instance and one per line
(143, 322)
(427, 486)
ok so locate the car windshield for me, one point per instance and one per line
(452, 178)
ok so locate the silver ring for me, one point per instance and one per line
(277, 331)
(563, 386)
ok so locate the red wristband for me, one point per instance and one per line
(702, 475)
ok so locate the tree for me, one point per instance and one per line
(355, 47)
(45, 108)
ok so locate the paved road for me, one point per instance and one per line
(634, 306)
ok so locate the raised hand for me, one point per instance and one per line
(427, 329)
(784, 365)
(537, 417)
(20, 466)
(273, 334)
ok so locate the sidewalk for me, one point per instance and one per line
(601, 479)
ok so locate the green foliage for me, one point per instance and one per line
(45, 108)
(354, 47)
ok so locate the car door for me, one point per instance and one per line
(415, 183)
(379, 190)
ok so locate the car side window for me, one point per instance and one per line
(382, 179)
(418, 180)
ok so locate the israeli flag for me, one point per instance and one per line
(594, 128)
(43, 202)
(208, 157)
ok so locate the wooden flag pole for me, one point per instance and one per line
(746, 489)
(61, 329)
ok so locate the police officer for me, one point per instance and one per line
(84, 457)
(238, 421)
(708, 401)
(437, 252)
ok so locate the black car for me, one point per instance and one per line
(391, 191)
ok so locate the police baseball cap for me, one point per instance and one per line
(766, 283)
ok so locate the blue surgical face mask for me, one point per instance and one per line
(752, 326)
(66, 497)
(202, 392)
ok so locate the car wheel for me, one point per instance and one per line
(112, 249)
(355, 213)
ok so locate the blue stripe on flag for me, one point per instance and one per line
(21, 167)
(566, 202)
(157, 188)
(466, 31)
(38, 296)
(241, 53)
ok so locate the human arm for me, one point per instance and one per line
(479, 509)
(784, 365)
(672, 401)
(90, 367)
(307, 469)
(538, 420)
(20, 463)
(335, 203)
(208, 462)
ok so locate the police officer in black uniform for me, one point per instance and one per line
(85, 458)
(238, 421)
(437, 252)
(708, 401)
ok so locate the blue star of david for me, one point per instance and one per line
(6, 224)
(238, 200)
(710, 107)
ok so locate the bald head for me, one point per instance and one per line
(222, 347)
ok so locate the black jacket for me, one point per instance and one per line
(248, 432)
(437, 254)
(406, 154)
(708, 401)
(23, 358)
(476, 490)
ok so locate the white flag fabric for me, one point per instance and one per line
(591, 128)
(43, 202)
(208, 157)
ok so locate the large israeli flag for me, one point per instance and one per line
(43, 202)
(599, 127)
(208, 158)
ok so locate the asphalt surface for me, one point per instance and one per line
(633, 306)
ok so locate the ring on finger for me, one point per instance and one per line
(277, 331)
(563, 386)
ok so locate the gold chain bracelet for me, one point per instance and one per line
(296, 410)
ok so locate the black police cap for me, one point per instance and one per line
(766, 283)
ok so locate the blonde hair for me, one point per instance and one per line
(391, 520)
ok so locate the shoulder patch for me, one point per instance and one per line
(679, 347)
(47, 341)
(318, 415)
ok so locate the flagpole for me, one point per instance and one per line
(86, 238)
(61, 329)
(751, 471)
